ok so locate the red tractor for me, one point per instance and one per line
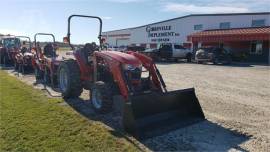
(46, 60)
(145, 103)
(8, 49)
(23, 59)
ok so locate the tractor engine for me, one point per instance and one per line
(132, 73)
(138, 79)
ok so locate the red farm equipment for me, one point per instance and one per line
(145, 103)
(46, 60)
(23, 59)
(9, 48)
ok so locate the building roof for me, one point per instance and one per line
(254, 33)
(192, 15)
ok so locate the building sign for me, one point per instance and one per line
(160, 33)
(118, 35)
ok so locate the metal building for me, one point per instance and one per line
(181, 30)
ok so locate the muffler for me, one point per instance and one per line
(154, 113)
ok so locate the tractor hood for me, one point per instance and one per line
(121, 57)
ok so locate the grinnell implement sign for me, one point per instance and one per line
(160, 33)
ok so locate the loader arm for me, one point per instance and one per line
(148, 63)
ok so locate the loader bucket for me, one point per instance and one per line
(155, 113)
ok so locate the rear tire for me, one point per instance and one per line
(5, 61)
(189, 58)
(38, 74)
(101, 97)
(2, 58)
(215, 61)
(229, 61)
(69, 81)
(199, 62)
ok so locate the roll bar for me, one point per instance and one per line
(48, 34)
(30, 43)
(85, 16)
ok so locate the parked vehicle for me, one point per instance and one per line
(145, 103)
(174, 52)
(46, 60)
(9, 48)
(215, 55)
(136, 48)
(113, 48)
(152, 53)
(23, 59)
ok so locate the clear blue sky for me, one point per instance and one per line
(27, 17)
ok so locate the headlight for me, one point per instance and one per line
(131, 67)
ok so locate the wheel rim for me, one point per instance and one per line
(63, 79)
(96, 99)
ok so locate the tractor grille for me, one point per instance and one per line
(136, 74)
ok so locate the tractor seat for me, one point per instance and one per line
(86, 52)
(23, 50)
(49, 51)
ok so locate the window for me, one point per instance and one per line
(11, 42)
(166, 47)
(224, 25)
(198, 27)
(258, 23)
(178, 47)
(256, 47)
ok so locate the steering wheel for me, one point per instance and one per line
(89, 48)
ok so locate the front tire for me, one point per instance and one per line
(46, 77)
(16, 66)
(69, 81)
(101, 97)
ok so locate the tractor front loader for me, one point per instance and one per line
(147, 108)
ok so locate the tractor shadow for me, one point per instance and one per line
(233, 64)
(7, 67)
(202, 136)
(84, 107)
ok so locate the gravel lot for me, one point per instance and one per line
(235, 100)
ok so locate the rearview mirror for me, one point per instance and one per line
(66, 39)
